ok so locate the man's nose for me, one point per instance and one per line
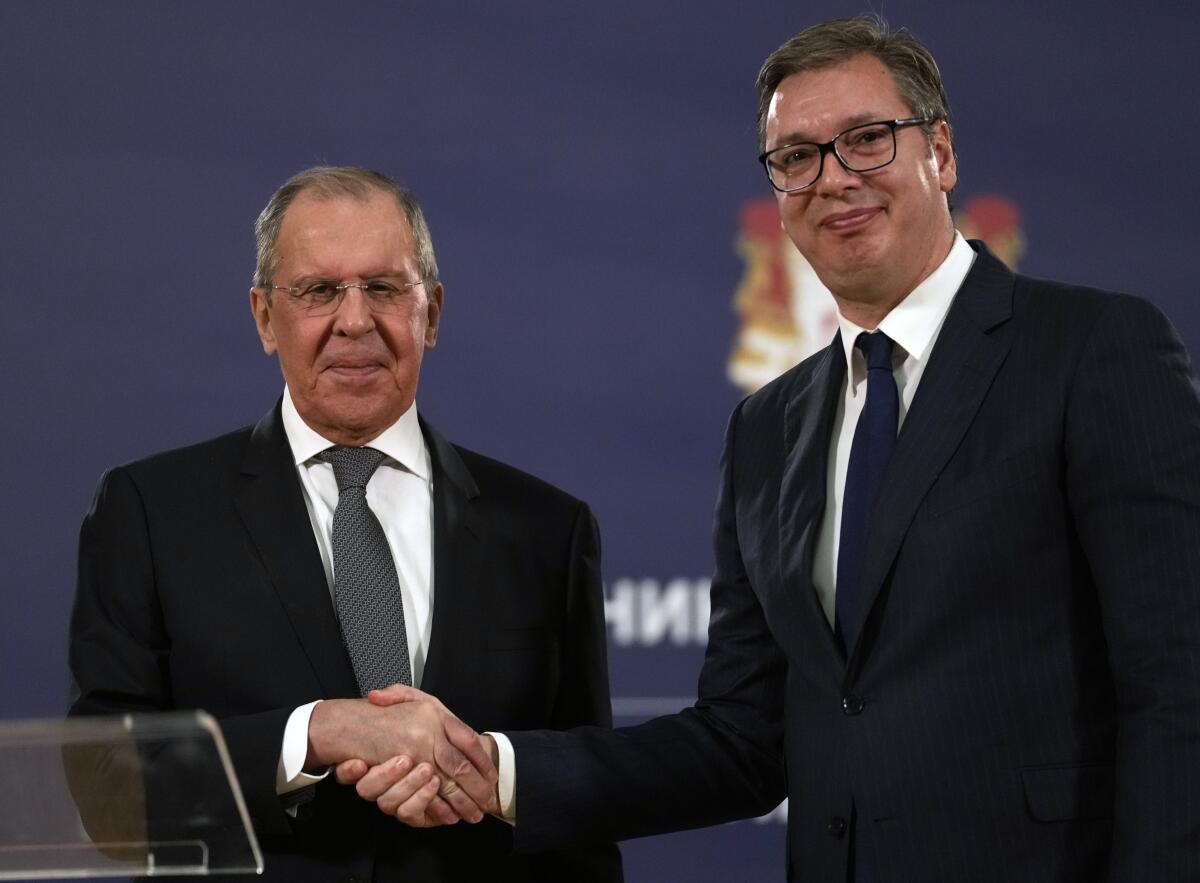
(354, 317)
(834, 177)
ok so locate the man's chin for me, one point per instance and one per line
(852, 269)
(353, 416)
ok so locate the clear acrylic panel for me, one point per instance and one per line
(124, 795)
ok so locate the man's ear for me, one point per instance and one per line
(260, 306)
(943, 155)
(433, 316)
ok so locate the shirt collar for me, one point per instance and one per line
(913, 323)
(402, 441)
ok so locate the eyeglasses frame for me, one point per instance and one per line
(829, 147)
(341, 288)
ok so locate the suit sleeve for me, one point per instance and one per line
(120, 646)
(1133, 481)
(583, 697)
(718, 761)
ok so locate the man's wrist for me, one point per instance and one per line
(325, 735)
(290, 773)
(489, 744)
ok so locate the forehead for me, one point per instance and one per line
(815, 105)
(336, 233)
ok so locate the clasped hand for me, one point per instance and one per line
(406, 752)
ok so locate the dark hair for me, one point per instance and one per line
(330, 182)
(916, 73)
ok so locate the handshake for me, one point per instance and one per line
(406, 752)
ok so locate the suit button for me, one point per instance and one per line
(853, 704)
(836, 827)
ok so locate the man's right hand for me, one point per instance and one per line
(416, 726)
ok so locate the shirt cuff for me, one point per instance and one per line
(289, 774)
(507, 768)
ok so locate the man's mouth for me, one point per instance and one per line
(354, 367)
(850, 221)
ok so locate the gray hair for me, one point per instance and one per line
(912, 66)
(331, 182)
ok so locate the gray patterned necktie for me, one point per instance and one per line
(365, 587)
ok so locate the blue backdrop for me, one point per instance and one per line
(589, 175)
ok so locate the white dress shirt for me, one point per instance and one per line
(913, 325)
(400, 493)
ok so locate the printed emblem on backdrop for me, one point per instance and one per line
(786, 314)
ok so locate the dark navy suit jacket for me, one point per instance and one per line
(200, 586)
(1023, 700)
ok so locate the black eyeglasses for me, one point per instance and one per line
(859, 149)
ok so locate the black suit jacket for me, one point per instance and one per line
(1023, 701)
(200, 586)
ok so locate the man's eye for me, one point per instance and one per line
(381, 289)
(320, 290)
(796, 156)
(872, 137)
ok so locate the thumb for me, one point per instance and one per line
(350, 771)
(395, 694)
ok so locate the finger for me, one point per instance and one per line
(478, 790)
(403, 790)
(479, 787)
(412, 811)
(382, 777)
(460, 802)
(468, 742)
(350, 771)
(394, 694)
(440, 813)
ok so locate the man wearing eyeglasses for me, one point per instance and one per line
(339, 546)
(956, 612)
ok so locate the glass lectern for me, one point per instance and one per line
(127, 795)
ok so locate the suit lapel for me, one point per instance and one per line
(461, 608)
(808, 422)
(271, 506)
(961, 368)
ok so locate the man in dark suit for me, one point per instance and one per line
(229, 576)
(956, 612)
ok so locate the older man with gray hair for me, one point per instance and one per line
(276, 575)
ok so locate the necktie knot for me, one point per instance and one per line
(877, 348)
(352, 467)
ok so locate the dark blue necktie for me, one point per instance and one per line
(874, 439)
